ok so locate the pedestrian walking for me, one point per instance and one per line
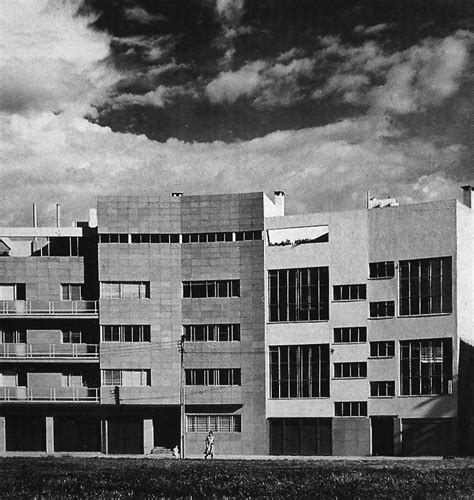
(209, 451)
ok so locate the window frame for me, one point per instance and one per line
(119, 332)
(381, 305)
(382, 270)
(350, 409)
(350, 332)
(349, 292)
(122, 290)
(350, 370)
(217, 423)
(212, 332)
(387, 390)
(377, 347)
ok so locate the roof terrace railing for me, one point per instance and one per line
(50, 394)
(48, 351)
(49, 307)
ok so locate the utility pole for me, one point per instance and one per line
(182, 396)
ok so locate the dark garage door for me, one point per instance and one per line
(426, 437)
(125, 435)
(76, 433)
(25, 433)
(300, 436)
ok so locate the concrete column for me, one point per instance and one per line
(3, 433)
(397, 436)
(49, 435)
(104, 442)
(148, 439)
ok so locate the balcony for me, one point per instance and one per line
(49, 394)
(49, 352)
(49, 308)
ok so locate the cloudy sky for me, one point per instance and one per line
(321, 98)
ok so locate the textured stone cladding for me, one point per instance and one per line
(166, 266)
(158, 264)
(42, 275)
(228, 260)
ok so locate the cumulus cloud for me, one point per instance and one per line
(142, 16)
(420, 76)
(158, 98)
(50, 59)
(371, 30)
(61, 157)
(271, 82)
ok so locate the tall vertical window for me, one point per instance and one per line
(426, 286)
(426, 366)
(299, 294)
(299, 371)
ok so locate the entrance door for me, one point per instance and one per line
(382, 436)
(125, 435)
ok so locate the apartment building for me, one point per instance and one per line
(162, 318)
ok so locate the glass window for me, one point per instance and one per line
(382, 389)
(349, 292)
(381, 270)
(299, 294)
(212, 376)
(353, 335)
(350, 370)
(382, 309)
(425, 286)
(300, 371)
(382, 349)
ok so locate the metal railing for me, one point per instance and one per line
(49, 307)
(50, 394)
(48, 351)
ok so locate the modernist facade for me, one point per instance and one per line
(342, 333)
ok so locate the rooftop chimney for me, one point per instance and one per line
(58, 215)
(279, 201)
(467, 195)
(93, 217)
(35, 215)
(176, 195)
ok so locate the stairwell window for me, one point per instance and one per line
(426, 286)
(211, 289)
(382, 389)
(214, 423)
(382, 349)
(125, 333)
(213, 376)
(349, 292)
(126, 378)
(350, 370)
(382, 270)
(350, 335)
(382, 309)
(71, 291)
(125, 290)
(350, 409)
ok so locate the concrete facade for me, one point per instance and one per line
(109, 332)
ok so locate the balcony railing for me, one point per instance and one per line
(51, 394)
(49, 307)
(49, 351)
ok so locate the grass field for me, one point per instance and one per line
(144, 478)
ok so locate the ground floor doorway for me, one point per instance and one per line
(382, 436)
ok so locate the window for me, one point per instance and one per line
(127, 378)
(213, 376)
(298, 235)
(214, 423)
(350, 335)
(350, 370)
(15, 291)
(299, 371)
(349, 292)
(382, 349)
(299, 294)
(350, 409)
(126, 333)
(9, 378)
(10, 336)
(425, 286)
(71, 337)
(212, 333)
(381, 270)
(426, 367)
(71, 291)
(71, 380)
(382, 309)
(213, 288)
(382, 389)
(125, 289)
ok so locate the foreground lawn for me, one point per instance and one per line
(146, 478)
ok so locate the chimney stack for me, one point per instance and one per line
(279, 201)
(35, 215)
(58, 215)
(467, 195)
